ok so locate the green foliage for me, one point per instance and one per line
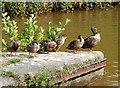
(7, 73)
(54, 31)
(26, 8)
(4, 43)
(40, 79)
(30, 32)
(13, 61)
(40, 34)
(29, 56)
(10, 27)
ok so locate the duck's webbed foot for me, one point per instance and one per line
(76, 51)
(91, 50)
(15, 53)
(48, 52)
(35, 55)
(57, 50)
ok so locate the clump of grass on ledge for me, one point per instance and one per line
(13, 61)
(7, 74)
(29, 56)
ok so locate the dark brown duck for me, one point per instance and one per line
(13, 46)
(93, 40)
(76, 44)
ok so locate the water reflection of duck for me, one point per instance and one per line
(60, 41)
(76, 44)
(33, 47)
(93, 40)
(13, 46)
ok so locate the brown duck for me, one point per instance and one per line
(33, 47)
(76, 44)
(44, 44)
(60, 41)
(51, 46)
(13, 46)
(93, 40)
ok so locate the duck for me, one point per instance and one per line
(60, 41)
(76, 44)
(33, 47)
(51, 46)
(93, 40)
(13, 46)
(44, 44)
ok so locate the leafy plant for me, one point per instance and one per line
(10, 27)
(54, 31)
(28, 33)
(26, 8)
(40, 34)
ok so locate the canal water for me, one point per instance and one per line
(81, 21)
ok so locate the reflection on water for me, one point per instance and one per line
(81, 21)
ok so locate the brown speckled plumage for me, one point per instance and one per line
(51, 46)
(76, 44)
(60, 41)
(33, 47)
(44, 44)
(13, 46)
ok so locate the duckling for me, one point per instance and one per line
(44, 44)
(13, 46)
(51, 46)
(93, 40)
(60, 41)
(33, 47)
(76, 44)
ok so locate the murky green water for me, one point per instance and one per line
(81, 21)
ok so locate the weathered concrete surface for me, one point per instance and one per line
(51, 61)
(6, 81)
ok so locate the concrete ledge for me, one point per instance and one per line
(52, 61)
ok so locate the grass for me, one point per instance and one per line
(7, 73)
(13, 61)
(29, 56)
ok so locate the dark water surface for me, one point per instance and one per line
(81, 21)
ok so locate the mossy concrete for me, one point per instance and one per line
(50, 61)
